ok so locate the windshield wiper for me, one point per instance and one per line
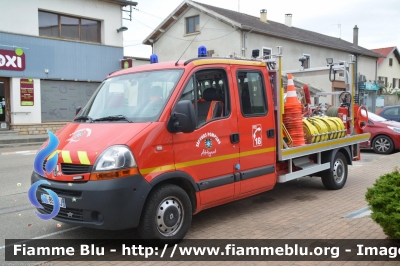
(84, 118)
(113, 118)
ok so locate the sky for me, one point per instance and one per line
(378, 20)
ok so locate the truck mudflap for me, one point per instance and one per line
(109, 204)
(295, 152)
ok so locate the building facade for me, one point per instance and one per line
(53, 56)
(389, 68)
(227, 32)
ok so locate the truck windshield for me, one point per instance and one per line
(136, 97)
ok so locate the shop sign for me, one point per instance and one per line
(12, 60)
(26, 91)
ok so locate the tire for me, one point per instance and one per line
(336, 177)
(383, 145)
(167, 215)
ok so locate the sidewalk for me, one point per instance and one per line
(12, 139)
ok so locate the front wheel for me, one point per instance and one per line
(167, 215)
(335, 178)
(383, 145)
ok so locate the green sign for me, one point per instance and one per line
(369, 86)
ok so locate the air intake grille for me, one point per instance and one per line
(61, 192)
(66, 213)
(74, 169)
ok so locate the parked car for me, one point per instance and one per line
(385, 134)
(390, 112)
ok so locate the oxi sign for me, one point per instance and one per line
(12, 60)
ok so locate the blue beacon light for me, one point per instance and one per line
(202, 51)
(153, 59)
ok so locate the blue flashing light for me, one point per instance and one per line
(202, 51)
(153, 59)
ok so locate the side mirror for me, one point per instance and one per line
(183, 118)
(78, 109)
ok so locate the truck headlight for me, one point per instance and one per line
(116, 161)
(395, 129)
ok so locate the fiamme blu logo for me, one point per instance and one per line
(50, 198)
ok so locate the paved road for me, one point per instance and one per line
(18, 221)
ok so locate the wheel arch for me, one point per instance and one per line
(329, 156)
(178, 178)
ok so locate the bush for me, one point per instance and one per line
(384, 201)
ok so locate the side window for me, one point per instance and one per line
(252, 93)
(392, 111)
(208, 90)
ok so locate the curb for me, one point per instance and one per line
(10, 145)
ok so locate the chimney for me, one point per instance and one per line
(355, 36)
(263, 15)
(288, 20)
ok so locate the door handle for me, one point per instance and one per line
(235, 138)
(270, 133)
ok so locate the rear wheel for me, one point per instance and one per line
(336, 177)
(383, 145)
(167, 215)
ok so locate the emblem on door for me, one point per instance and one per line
(257, 135)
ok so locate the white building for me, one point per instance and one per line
(226, 32)
(389, 67)
(53, 55)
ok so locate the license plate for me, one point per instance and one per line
(46, 199)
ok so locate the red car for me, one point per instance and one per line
(385, 134)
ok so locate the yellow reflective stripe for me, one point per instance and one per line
(157, 169)
(248, 63)
(204, 161)
(325, 143)
(52, 154)
(227, 61)
(248, 153)
(83, 158)
(207, 160)
(66, 156)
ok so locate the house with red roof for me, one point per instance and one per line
(389, 67)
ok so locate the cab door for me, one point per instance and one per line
(207, 154)
(256, 130)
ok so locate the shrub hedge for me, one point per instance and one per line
(384, 201)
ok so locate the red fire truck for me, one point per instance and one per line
(158, 143)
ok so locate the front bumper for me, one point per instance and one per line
(110, 204)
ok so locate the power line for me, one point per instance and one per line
(133, 44)
(185, 39)
(176, 21)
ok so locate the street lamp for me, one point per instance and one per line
(123, 28)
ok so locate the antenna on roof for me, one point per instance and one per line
(176, 63)
(340, 29)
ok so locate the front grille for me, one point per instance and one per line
(77, 214)
(61, 192)
(74, 169)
